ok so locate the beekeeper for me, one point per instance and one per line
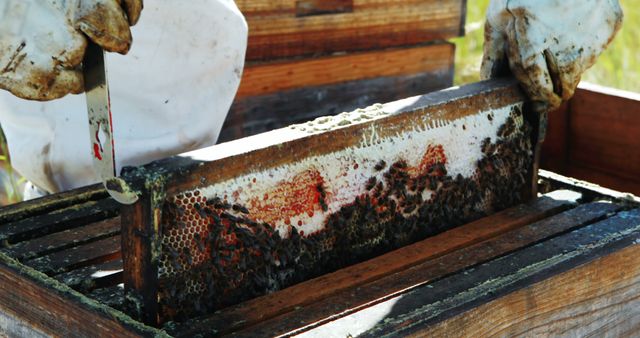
(171, 92)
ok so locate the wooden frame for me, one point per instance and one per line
(466, 281)
(142, 229)
(286, 28)
(596, 137)
(559, 244)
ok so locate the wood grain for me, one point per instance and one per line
(140, 250)
(595, 300)
(356, 299)
(269, 78)
(260, 152)
(276, 31)
(596, 139)
(555, 149)
(97, 252)
(322, 7)
(604, 133)
(58, 220)
(15, 212)
(453, 249)
(48, 306)
(64, 240)
(257, 114)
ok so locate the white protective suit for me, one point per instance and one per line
(169, 94)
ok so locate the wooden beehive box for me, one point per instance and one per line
(310, 58)
(566, 262)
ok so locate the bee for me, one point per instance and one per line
(371, 183)
(402, 164)
(380, 165)
(324, 205)
(222, 205)
(240, 208)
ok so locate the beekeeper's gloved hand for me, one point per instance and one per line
(547, 44)
(42, 42)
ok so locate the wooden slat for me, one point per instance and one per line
(604, 178)
(279, 94)
(93, 276)
(58, 220)
(260, 156)
(600, 138)
(272, 305)
(344, 289)
(356, 299)
(252, 115)
(590, 191)
(274, 77)
(555, 149)
(76, 257)
(321, 7)
(414, 312)
(51, 202)
(40, 302)
(64, 239)
(260, 152)
(140, 254)
(604, 132)
(276, 31)
(598, 299)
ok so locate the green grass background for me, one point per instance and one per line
(618, 67)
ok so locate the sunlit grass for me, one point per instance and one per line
(618, 67)
(10, 182)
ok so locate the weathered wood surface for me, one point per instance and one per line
(319, 7)
(97, 252)
(269, 306)
(276, 95)
(140, 250)
(258, 114)
(599, 298)
(596, 138)
(356, 287)
(93, 276)
(257, 153)
(64, 240)
(58, 220)
(340, 158)
(268, 78)
(355, 300)
(17, 211)
(286, 28)
(589, 190)
(112, 296)
(48, 306)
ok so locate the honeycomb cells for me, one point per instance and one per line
(214, 254)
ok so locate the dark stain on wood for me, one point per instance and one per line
(323, 7)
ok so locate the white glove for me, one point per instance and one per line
(548, 43)
(42, 42)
